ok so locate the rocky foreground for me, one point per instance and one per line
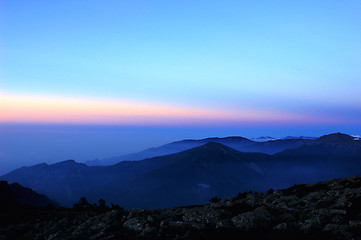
(330, 209)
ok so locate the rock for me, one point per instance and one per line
(355, 224)
(257, 219)
(338, 230)
(281, 227)
(331, 209)
(224, 224)
(135, 224)
(202, 215)
(312, 224)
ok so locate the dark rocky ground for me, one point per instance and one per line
(325, 210)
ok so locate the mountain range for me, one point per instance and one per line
(195, 175)
(183, 178)
(267, 145)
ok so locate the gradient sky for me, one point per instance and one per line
(259, 64)
(286, 57)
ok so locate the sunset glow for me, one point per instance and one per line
(47, 109)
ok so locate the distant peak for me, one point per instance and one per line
(230, 138)
(214, 146)
(216, 139)
(333, 137)
(67, 162)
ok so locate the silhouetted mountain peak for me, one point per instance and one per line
(212, 145)
(229, 139)
(211, 148)
(214, 154)
(335, 137)
(68, 163)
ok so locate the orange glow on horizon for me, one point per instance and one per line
(47, 109)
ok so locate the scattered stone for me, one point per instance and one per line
(330, 209)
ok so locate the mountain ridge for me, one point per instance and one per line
(193, 175)
(239, 143)
(201, 165)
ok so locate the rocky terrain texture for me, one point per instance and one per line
(329, 209)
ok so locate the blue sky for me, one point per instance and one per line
(288, 55)
(270, 65)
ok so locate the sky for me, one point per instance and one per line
(168, 70)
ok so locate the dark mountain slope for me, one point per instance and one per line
(61, 181)
(127, 183)
(14, 195)
(199, 174)
(67, 181)
(330, 156)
